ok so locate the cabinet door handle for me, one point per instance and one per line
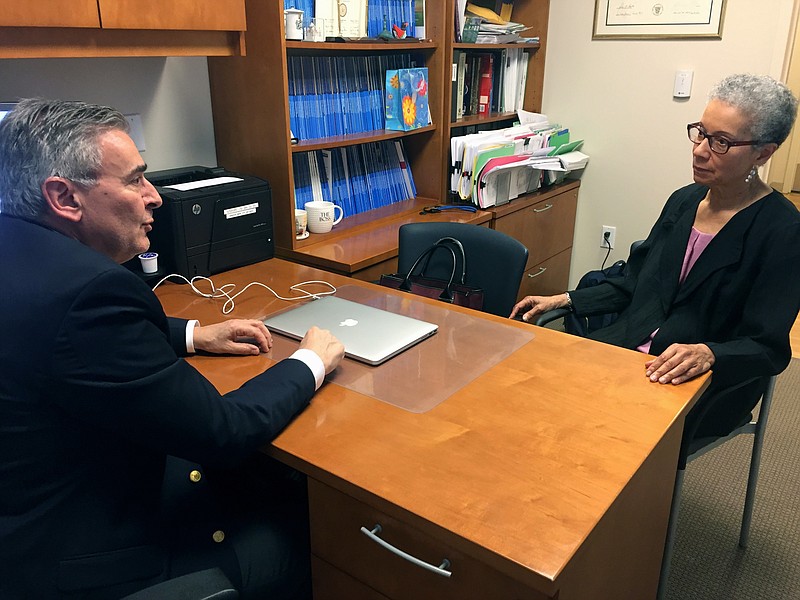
(541, 270)
(546, 207)
(440, 570)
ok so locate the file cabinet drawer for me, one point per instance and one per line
(545, 227)
(337, 539)
(548, 277)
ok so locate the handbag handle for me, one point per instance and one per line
(457, 244)
(446, 295)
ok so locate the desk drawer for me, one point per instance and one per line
(331, 583)
(336, 537)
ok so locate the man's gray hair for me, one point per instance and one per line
(769, 105)
(50, 138)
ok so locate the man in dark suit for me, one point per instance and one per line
(94, 396)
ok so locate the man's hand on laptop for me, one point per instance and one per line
(325, 345)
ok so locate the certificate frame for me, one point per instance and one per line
(658, 19)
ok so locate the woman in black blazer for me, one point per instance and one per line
(716, 284)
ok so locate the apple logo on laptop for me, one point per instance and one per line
(348, 323)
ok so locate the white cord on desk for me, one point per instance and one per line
(225, 290)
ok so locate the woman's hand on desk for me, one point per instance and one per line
(679, 363)
(237, 336)
(531, 306)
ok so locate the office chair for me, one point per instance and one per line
(559, 313)
(495, 261)
(210, 584)
(693, 447)
(177, 494)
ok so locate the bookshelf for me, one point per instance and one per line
(544, 220)
(532, 13)
(354, 139)
(252, 128)
(251, 120)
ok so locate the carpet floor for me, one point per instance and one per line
(708, 563)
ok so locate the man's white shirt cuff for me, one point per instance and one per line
(312, 360)
(190, 325)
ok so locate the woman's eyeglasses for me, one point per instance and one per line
(718, 145)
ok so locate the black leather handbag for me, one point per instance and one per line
(452, 290)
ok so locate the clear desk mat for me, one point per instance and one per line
(419, 378)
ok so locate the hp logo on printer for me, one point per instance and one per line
(196, 209)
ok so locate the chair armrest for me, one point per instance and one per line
(202, 585)
(551, 315)
(752, 388)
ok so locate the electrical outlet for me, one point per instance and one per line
(609, 237)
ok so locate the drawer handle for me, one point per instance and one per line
(546, 207)
(541, 270)
(440, 570)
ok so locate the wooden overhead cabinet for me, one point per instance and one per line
(49, 13)
(93, 28)
(202, 15)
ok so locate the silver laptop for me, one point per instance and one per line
(371, 335)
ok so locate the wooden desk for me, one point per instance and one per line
(548, 476)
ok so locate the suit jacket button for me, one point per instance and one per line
(218, 536)
(195, 476)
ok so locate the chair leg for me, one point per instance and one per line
(670, 541)
(755, 463)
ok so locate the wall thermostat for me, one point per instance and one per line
(683, 84)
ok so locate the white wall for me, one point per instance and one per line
(171, 95)
(617, 95)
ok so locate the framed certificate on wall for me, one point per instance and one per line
(658, 19)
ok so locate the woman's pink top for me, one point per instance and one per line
(697, 243)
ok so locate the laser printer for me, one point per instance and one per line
(211, 220)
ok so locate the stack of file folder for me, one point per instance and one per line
(358, 178)
(491, 168)
(494, 24)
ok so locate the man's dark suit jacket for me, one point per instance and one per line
(93, 397)
(740, 298)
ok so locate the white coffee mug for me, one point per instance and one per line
(300, 222)
(294, 23)
(322, 215)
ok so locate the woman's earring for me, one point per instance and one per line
(753, 172)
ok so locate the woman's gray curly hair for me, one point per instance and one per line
(769, 105)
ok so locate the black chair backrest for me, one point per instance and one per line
(495, 261)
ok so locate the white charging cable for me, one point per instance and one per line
(226, 290)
